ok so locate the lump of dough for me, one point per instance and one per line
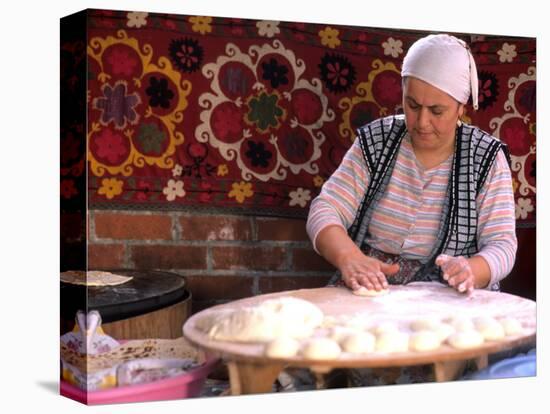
(359, 343)
(425, 324)
(363, 291)
(392, 341)
(460, 323)
(511, 326)
(321, 348)
(359, 322)
(329, 321)
(337, 333)
(490, 328)
(384, 327)
(444, 330)
(465, 339)
(424, 341)
(283, 347)
(273, 318)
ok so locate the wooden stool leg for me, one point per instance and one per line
(249, 378)
(448, 370)
(451, 370)
(482, 361)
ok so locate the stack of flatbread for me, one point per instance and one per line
(135, 349)
(93, 278)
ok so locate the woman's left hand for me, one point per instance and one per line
(457, 272)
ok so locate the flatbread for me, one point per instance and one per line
(178, 348)
(363, 291)
(93, 278)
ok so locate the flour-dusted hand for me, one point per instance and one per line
(457, 272)
(360, 270)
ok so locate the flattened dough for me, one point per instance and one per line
(363, 291)
(270, 319)
(93, 278)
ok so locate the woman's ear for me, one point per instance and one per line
(460, 110)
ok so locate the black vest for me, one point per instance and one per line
(475, 153)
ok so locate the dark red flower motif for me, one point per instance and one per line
(68, 189)
(110, 146)
(122, 62)
(197, 150)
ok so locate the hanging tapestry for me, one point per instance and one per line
(246, 116)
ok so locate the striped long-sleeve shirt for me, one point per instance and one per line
(408, 216)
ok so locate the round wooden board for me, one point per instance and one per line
(402, 305)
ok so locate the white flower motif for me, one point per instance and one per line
(299, 197)
(507, 53)
(177, 170)
(523, 207)
(393, 47)
(268, 28)
(173, 189)
(137, 19)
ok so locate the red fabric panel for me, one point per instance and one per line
(252, 116)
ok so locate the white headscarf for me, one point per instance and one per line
(445, 62)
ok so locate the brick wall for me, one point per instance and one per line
(223, 257)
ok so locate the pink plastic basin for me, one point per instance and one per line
(183, 386)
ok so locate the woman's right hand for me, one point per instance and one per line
(360, 270)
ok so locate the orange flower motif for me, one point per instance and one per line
(222, 170)
(201, 24)
(110, 187)
(318, 181)
(241, 191)
(329, 37)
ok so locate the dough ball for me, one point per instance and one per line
(321, 348)
(329, 321)
(465, 339)
(392, 341)
(460, 323)
(425, 324)
(363, 291)
(511, 326)
(358, 322)
(490, 328)
(384, 327)
(283, 347)
(359, 343)
(424, 341)
(337, 333)
(444, 330)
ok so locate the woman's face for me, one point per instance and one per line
(430, 114)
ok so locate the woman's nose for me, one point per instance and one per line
(423, 118)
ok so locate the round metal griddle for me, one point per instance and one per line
(148, 291)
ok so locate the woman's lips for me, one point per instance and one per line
(422, 133)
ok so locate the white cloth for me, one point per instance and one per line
(445, 62)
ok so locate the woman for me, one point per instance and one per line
(421, 197)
